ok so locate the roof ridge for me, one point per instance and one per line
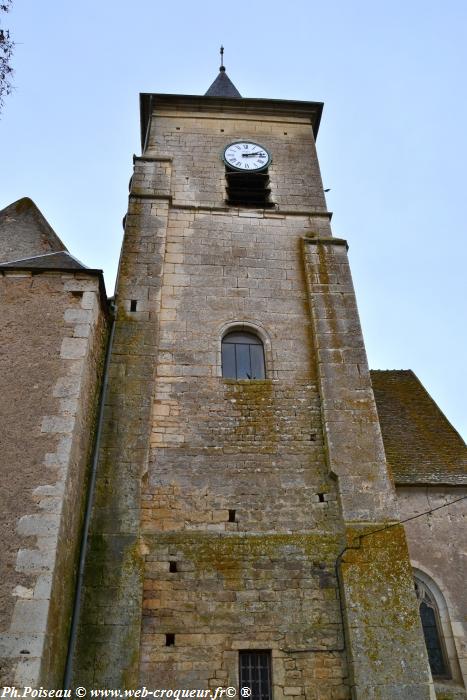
(41, 255)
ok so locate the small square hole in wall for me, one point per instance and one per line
(321, 497)
(77, 295)
(170, 639)
(285, 133)
(133, 304)
(172, 567)
(177, 128)
(232, 516)
(222, 130)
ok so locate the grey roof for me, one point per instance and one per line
(222, 86)
(25, 232)
(60, 260)
(421, 445)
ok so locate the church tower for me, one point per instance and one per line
(244, 531)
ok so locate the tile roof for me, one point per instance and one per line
(421, 445)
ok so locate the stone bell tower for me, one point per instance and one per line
(244, 530)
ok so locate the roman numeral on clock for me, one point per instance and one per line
(246, 155)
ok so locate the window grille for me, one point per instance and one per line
(255, 674)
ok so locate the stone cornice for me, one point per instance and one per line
(217, 105)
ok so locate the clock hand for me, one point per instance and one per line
(248, 155)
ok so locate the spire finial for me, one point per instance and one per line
(222, 86)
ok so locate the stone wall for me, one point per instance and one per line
(263, 576)
(237, 592)
(437, 545)
(195, 142)
(53, 332)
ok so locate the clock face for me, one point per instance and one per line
(246, 156)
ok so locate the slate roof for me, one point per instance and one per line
(222, 86)
(421, 445)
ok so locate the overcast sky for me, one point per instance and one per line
(392, 143)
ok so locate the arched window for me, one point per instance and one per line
(242, 356)
(432, 631)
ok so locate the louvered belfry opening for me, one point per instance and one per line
(248, 189)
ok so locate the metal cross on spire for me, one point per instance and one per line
(222, 86)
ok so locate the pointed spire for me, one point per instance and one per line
(222, 86)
